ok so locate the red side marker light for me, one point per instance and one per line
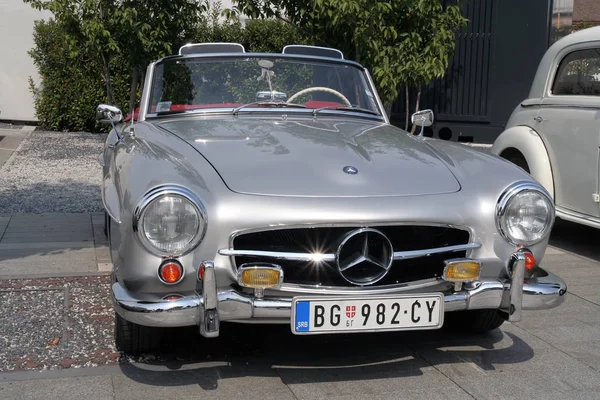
(201, 272)
(530, 261)
(170, 272)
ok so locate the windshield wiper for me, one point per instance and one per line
(351, 108)
(268, 103)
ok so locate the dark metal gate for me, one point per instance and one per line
(495, 59)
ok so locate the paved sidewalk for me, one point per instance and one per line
(552, 354)
(10, 140)
(45, 245)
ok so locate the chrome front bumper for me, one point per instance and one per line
(212, 306)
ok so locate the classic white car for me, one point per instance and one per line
(555, 133)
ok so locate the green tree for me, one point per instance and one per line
(88, 25)
(151, 29)
(70, 87)
(402, 42)
(257, 35)
(140, 30)
(72, 80)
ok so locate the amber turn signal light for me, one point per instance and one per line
(170, 272)
(260, 276)
(462, 270)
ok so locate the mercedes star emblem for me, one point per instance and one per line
(364, 256)
(351, 170)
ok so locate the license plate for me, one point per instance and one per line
(313, 315)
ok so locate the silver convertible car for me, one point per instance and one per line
(272, 188)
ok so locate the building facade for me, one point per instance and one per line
(16, 39)
(586, 11)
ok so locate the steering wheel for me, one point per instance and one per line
(319, 89)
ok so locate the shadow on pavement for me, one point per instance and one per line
(576, 238)
(268, 351)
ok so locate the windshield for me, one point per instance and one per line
(196, 84)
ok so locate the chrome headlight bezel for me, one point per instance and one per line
(503, 202)
(156, 194)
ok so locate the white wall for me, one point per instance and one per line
(16, 38)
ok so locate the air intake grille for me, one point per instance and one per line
(326, 241)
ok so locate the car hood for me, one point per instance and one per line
(308, 157)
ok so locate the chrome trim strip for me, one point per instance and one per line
(208, 311)
(275, 111)
(570, 106)
(578, 217)
(278, 255)
(377, 98)
(262, 55)
(517, 268)
(354, 290)
(335, 224)
(398, 255)
(404, 255)
(145, 100)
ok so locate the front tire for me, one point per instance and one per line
(474, 321)
(134, 339)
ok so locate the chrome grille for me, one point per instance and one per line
(293, 248)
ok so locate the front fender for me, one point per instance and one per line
(528, 142)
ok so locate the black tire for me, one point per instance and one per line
(474, 321)
(134, 339)
(515, 157)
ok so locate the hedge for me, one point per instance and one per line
(72, 87)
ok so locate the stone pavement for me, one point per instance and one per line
(42, 245)
(553, 354)
(10, 140)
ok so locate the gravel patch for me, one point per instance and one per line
(56, 323)
(53, 172)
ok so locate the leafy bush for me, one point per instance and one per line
(70, 88)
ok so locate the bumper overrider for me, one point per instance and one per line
(210, 306)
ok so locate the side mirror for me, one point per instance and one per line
(107, 114)
(422, 118)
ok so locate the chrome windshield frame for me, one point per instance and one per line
(147, 88)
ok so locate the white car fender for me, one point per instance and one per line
(526, 141)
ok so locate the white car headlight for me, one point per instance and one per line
(525, 214)
(170, 221)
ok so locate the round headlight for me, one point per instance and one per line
(525, 214)
(170, 222)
